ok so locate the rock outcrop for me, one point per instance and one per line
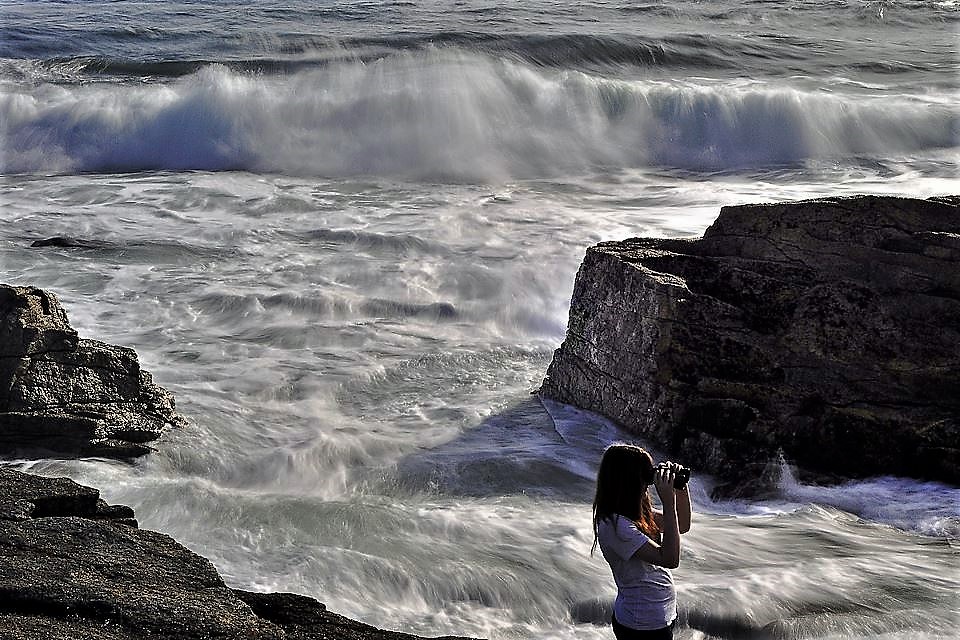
(24, 496)
(827, 329)
(69, 395)
(73, 568)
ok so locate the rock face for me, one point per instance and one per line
(70, 395)
(827, 329)
(70, 569)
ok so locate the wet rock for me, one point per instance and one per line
(826, 329)
(68, 242)
(68, 569)
(68, 395)
(24, 496)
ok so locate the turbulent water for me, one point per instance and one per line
(344, 235)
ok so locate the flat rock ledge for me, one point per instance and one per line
(827, 331)
(67, 395)
(75, 568)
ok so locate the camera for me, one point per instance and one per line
(681, 474)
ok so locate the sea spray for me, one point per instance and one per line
(441, 115)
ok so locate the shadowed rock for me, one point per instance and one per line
(69, 569)
(828, 329)
(69, 395)
(69, 242)
(24, 496)
(303, 618)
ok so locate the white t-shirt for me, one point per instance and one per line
(646, 599)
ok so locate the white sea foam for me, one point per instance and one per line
(448, 116)
(930, 508)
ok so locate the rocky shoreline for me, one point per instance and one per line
(827, 331)
(73, 567)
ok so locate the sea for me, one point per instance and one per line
(344, 235)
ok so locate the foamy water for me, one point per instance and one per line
(455, 116)
(345, 237)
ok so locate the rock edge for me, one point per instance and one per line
(70, 396)
(73, 567)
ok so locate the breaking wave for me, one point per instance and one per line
(445, 116)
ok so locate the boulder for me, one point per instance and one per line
(826, 330)
(68, 395)
(24, 496)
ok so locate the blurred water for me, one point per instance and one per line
(356, 361)
(344, 235)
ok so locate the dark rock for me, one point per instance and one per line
(68, 571)
(66, 568)
(68, 395)
(303, 618)
(826, 329)
(68, 242)
(24, 496)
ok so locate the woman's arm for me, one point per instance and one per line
(683, 509)
(666, 554)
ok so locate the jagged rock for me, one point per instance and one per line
(68, 571)
(828, 329)
(69, 395)
(24, 496)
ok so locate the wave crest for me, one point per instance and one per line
(441, 116)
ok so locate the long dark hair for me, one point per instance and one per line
(626, 471)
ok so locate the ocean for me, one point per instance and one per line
(344, 236)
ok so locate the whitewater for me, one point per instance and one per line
(344, 236)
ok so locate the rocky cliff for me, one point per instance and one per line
(827, 329)
(68, 395)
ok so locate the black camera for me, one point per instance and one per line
(681, 474)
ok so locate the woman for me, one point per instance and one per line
(640, 544)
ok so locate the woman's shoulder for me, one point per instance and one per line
(616, 524)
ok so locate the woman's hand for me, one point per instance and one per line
(683, 502)
(679, 500)
(667, 553)
(663, 481)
